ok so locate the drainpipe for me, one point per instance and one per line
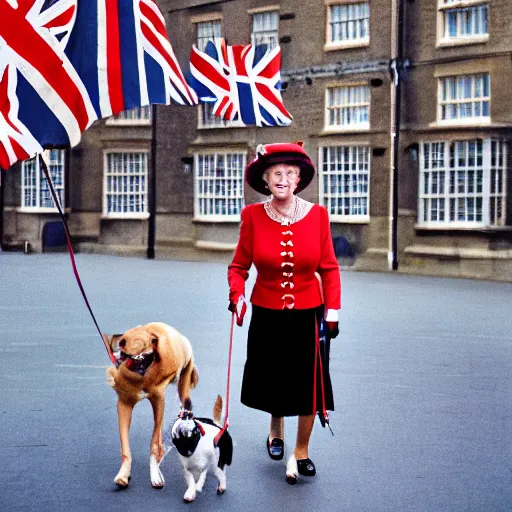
(152, 188)
(396, 68)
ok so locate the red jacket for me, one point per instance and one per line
(266, 243)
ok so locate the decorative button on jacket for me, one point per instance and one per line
(286, 257)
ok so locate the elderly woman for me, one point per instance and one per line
(289, 241)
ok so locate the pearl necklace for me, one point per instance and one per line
(298, 211)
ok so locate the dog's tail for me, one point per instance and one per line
(217, 410)
(187, 380)
(187, 404)
(194, 378)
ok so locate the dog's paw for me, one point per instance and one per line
(122, 480)
(189, 496)
(157, 479)
(292, 471)
(221, 490)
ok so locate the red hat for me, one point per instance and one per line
(272, 154)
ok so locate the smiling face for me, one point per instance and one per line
(282, 180)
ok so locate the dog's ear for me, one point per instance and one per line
(154, 344)
(113, 340)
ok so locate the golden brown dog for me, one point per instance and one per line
(152, 356)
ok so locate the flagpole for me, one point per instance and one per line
(152, 188)
(2, 188)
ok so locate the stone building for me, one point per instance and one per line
(403, 106)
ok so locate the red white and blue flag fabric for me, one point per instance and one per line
(65, 63)
(243, 81)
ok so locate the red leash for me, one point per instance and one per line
(56, 200)
(226, 420)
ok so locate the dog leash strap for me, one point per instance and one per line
(229, 366)
(226, 421)
(72, 255)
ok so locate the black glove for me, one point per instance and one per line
(333, 328)
(239, 310)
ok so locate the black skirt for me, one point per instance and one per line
(279, 371)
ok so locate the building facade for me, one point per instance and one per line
(402, 105)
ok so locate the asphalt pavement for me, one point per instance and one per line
(421, 374)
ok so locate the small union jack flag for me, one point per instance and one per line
(64, 64)
(243, 81)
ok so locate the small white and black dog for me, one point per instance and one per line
(199, 451)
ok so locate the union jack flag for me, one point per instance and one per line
(64, 64)
(243, 81)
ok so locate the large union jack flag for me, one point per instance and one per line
(243, 81)
(65, 63)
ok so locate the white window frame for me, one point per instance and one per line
(459, 7)
(216, 32)
(350, 42)
(446, 185)
(474, 102)
(334, 174)
(206, 193)
(142, 193)
(138, 116)
(347, 106)
(206, 120)
(265, 28)
(57, 160)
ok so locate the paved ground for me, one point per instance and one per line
(421, 375)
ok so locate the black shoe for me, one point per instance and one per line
(275, 448)
(306, 467)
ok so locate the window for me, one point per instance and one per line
(208, 120)
(125, 184)
(464, 99)
(35, 192)
(463, 183)
(218, 181)
(208, 31)
(137, 115)
(344, 181)
(348, 107)
(265, 29)
(348, 24)
(460, 21)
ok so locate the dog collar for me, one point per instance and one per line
(185, 414)
(138, 364)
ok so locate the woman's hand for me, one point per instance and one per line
(333, 329)
(239, 309)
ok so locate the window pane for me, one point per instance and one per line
(350, 22)
(464, 98)
(462, 187)
(35, 189)
(466, 22)
(348, 107)
(265, 29)
(219, 184)
(345, 176)
(126, 174)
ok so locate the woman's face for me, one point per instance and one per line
(282, 180)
